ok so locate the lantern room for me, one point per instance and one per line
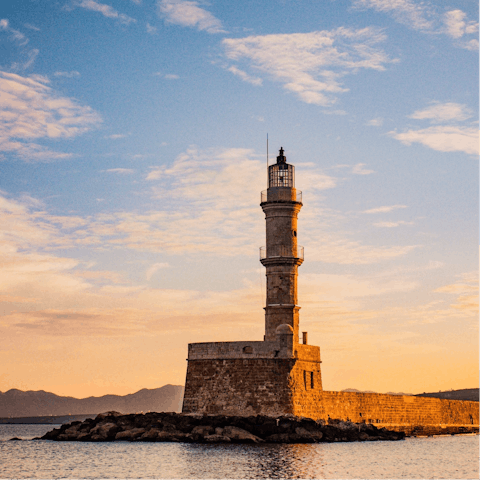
(281, 174)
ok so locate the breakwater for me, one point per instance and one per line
(174, 427)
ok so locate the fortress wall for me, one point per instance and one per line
(239, 386)
(412, 415)
(306, 385)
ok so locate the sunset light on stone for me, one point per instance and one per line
(133, 150)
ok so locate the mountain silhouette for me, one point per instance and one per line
(17, 403)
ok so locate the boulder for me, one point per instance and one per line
(102, 416)
(104, 431)
(130, 435)
(173, 436)
(314, 436)
(239, 435)
(203, 430)
(150, 435)
(216, 438)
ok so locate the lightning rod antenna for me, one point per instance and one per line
(267, 159)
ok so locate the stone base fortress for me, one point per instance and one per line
(280, 375)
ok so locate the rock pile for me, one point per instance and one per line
(175, 427)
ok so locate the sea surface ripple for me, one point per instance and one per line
(448, 457)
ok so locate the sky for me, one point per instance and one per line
(132, 157)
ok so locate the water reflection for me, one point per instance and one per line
(253, 461)
(440, 457)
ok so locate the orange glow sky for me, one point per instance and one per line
(132, 156)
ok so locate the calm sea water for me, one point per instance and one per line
(422, 458)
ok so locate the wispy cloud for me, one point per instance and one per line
(359, 169)
(167, 76)
(427, 18)
(375, 122)
(105, 10)
(410, 13)
(442, 138)
(467, 292)
(457, 26)
(121, 171)
(31, 27)
(443, 112)
(15, 35)
(20, 40)
(71, 74)
(245, 76)
(151, 29)
(310, 64)
(391, 224)
(116, 136)
(384, 209)
(155, 268)
(31, 110)
(189, 14)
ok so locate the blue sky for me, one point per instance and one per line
(133, 153)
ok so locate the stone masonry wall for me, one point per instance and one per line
(239, 387)
(412, 415)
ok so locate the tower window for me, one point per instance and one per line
(312, 384)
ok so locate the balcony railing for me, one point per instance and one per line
(280, 194)
(279, 251)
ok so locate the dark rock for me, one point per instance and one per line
(171, 427)
(240, 435)
(15, 439)
(216, 439)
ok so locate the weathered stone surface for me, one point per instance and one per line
(130, 434)
(204, 430)
(170, 427)
(239, 435)
(216, 438)
(103, 431)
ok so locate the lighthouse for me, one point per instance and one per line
(279, 374)
(281, 256)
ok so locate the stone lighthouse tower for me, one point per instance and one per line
(278, 375)
(282, 256)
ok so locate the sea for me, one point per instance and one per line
(446, 457)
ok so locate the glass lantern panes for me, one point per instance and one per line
(281, 175)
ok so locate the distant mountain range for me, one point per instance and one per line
(16, 403)
(465, 394)
(371, 391)
(470, 394)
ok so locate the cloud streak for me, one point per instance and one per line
(442, 138)
(426, 18)
(311, 65)
(31, 110)
(106, 10)
(189, 14)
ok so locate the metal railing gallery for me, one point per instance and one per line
(281, 251)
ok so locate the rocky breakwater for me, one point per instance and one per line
(175, 427)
